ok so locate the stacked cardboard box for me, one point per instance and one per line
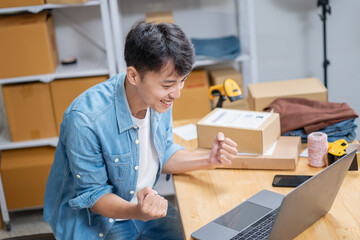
(19, 3)
(160, 17)
(257, 135)
(262, 94)
(254, 132)
(24, 174)
(284, 156)
(34, 111)
(29, 111)
(64, 91)
(66, 1)
(194, 100)
(27, 45)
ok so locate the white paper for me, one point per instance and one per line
(235, 118)
(305, 153)
(268, 152)
(186, 132)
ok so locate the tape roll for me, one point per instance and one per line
(317, 147)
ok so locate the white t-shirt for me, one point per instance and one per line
(148, 161)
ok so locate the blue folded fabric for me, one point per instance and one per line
(342, 130)
(225, 48)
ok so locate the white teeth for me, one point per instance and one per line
(166, 102)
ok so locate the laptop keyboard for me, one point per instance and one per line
(260, 229)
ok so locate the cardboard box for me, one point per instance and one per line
(64, 91)
(27, 45)
(160, 17)
(284, 157)
(254, 132)
(262, 94)
(194, 100)
(218, 76)
(24, 174)
(29, 111)
(19, 3)
(66, 1)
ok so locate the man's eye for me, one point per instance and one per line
(167, 86)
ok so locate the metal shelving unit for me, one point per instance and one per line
(208, 62)
(84, 68)
(246, 32)
(105, 65)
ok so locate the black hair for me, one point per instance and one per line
(150, 46)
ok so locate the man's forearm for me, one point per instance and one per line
(185, 161)
(112, 206)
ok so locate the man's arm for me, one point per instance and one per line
(150, 206)
(223, 151)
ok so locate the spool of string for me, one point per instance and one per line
(318, 148)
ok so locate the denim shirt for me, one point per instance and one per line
(97, 154)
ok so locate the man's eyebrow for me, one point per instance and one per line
(172, 81)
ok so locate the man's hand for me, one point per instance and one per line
(223, 150)
(150, 205)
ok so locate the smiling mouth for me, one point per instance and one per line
(166, 102)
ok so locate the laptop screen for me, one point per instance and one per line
(242, 216)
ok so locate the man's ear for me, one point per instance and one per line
(132, 75)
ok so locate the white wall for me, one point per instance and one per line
(289, 45)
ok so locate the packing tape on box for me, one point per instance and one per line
(318, 148)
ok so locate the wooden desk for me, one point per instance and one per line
(206, 194)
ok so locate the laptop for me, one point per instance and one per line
(270, 215)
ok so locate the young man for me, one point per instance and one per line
(116, 139)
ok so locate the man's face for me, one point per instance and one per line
(159, 89)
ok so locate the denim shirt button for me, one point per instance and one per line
(132, 192)
(116, 160)
(101, 235)
(78, 176)
(135, 127)
(136, 168)
(111, 220)
(137, 141)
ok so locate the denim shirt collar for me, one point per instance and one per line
(123, 113)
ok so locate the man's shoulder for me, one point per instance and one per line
(96, 99)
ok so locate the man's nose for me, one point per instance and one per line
(175, 93)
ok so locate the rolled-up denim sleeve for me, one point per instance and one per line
(86, 161)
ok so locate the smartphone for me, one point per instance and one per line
(289, 180)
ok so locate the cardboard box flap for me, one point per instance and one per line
(292, 87)
(284, 157)
(23, 19)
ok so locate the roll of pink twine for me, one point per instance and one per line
(317, 148)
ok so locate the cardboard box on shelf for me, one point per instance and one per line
(19, 3)
(66, 1)
(194, 100)
(27, 45)
(262, 94)
(159, 17)
(24, 173)
(29, 111)
(284, 157)
(218, 76)
(64, 91)
(254, 132)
